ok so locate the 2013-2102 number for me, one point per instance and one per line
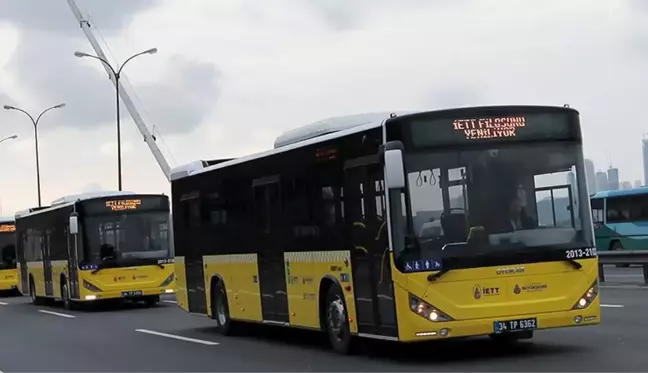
(589, 252)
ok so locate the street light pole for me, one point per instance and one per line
(35, 123)
(117, 75)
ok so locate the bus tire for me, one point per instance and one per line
(617, 245)
(65, 294)
(220, 309)
(36, 300)
(511, 338)
(152, 300)
(337, 321)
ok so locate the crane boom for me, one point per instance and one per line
(137, 118)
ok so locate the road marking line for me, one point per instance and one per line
(170, 301)
(612, 305)
(187, 339)
(3, 304)
(57, 314)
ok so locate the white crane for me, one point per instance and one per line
(137, 118)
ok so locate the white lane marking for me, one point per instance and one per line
(170, 301)
(612, 305)
(57, 314)
(3, 304)
(187, 339)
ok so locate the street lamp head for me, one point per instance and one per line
(8, 107)
(59, 106)
(81, 54)
(13, 137)
(151, 51)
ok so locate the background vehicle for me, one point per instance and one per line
(96, 246)
(407, 228)
(8, 268)
(621, 219)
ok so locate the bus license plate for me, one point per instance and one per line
(518, 325)
(134, 293)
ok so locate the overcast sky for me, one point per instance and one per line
(232, 75)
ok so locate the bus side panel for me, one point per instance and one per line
(59, 267)
(36, 271)
(181, 283)
(337, 265)
(245, 287)
(301, 289)
(240, 274)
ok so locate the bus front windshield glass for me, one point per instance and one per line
(124, 237)
(495, 201)
(7, 251)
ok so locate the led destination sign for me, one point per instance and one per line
(489, 128)
(124, 204)
(7, 228)
(430, 130)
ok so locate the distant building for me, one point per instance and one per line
(590, 176)
(601, 181)
(571, 180)
(626, 185)
(637, 184)
(613, 178)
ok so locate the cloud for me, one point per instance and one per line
(49, 73)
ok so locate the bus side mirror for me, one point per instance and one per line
(74, 224)
(392, 156)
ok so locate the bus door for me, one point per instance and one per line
(268, 227)
(194, 260)
(47, 262)
(366, 232)
(73, 264)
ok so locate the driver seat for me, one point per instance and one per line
(454, 227)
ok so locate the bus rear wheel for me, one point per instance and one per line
(337, 321)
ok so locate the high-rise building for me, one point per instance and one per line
(626, 185)
(637, 184)
(590, 176)
(613, 178)
(644, 144)
(601, 181)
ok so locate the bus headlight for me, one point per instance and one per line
(91, 287)
(427, 310)
(167, 281)
(588, 297)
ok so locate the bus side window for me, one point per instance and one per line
(598, 213)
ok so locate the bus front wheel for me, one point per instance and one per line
(32, 292)
(337, 321)
(65, 294)
(220, 309)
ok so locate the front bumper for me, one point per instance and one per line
(480, 327)
(124, 294)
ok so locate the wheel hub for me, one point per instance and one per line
(336, 319)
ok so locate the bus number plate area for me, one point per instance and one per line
(134, 293)
(518, 325)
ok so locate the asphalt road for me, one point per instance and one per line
(165, 338)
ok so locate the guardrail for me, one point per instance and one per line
(623, 257)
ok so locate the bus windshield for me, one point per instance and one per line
(494, 201)
(120, 237)
(7, 251)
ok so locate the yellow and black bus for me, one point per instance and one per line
(405, 227)
(96, 246)
(8, 267)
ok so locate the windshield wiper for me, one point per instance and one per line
(435, 276)
(574, 263)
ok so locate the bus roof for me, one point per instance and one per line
(621, 193)
(70, 200)
(331, 128)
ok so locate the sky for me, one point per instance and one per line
(231, 75)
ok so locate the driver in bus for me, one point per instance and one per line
(518, 218)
